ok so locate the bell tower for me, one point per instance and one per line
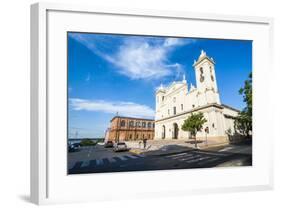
(206, 80)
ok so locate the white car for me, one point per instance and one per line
(120, 146)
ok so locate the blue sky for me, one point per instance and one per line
(119, 73)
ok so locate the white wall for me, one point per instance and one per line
(14, 105)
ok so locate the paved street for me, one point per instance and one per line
(98, 159)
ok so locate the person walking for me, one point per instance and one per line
(144, 143)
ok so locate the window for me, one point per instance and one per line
(149, 125)
(193, 106)
(175, 110)
(148, 136)
(143, 136)
(138, 124)
(143, 125)
(153, 125)
(123, 123)
(201, 75)
(130, 136)
(163, 98)
(213, 125)
(174, 99)
(131, 124)
(181, 106)
(168, 111)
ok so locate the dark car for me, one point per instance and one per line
(72, 147)
(120, 146)
(108, 144)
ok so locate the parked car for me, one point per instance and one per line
(120, 146)
(108, 144)
(72, 147)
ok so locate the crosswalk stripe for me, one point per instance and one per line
(208, 161)
(213, 153)
(183, 156)
(111, 160)
(177, 155)
(77, 165)
(187, 158)
(226, 149)
(85, 164)
(200, 159)
(70, 166)
(105, 161)
(99, 162)
(123, 158)
(132, 156)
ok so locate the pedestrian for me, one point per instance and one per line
(144, 143)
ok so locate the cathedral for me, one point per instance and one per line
(179, 100)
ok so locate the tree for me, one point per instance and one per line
(193, 124)
(243, 122)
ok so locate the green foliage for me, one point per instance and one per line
(194, 123)
(243, 122)
(87, 142)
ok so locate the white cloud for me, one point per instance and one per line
(123, 108)
(142, 61)
(138, 57)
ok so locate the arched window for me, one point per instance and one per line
(163, 134)
(143, 124)
(149, 125)
(123, 123)
(131, 124)
(175, 131)
(138, 124)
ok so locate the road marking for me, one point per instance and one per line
(99, 162)
(201, 159)
(208, 161)
(105, 161)
(187, 158)
(123, 158)
(111, 160)
(177, 155)
(70, 166)
(225, 149)
(131, 156)
(183, 156)
(85, 164)
(77, 165)
(212, 153)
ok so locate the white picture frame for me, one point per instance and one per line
(49, 182)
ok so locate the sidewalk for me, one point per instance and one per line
(164, 147)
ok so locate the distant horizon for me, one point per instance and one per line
(118, 74)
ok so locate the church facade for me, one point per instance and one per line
(179, 100)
